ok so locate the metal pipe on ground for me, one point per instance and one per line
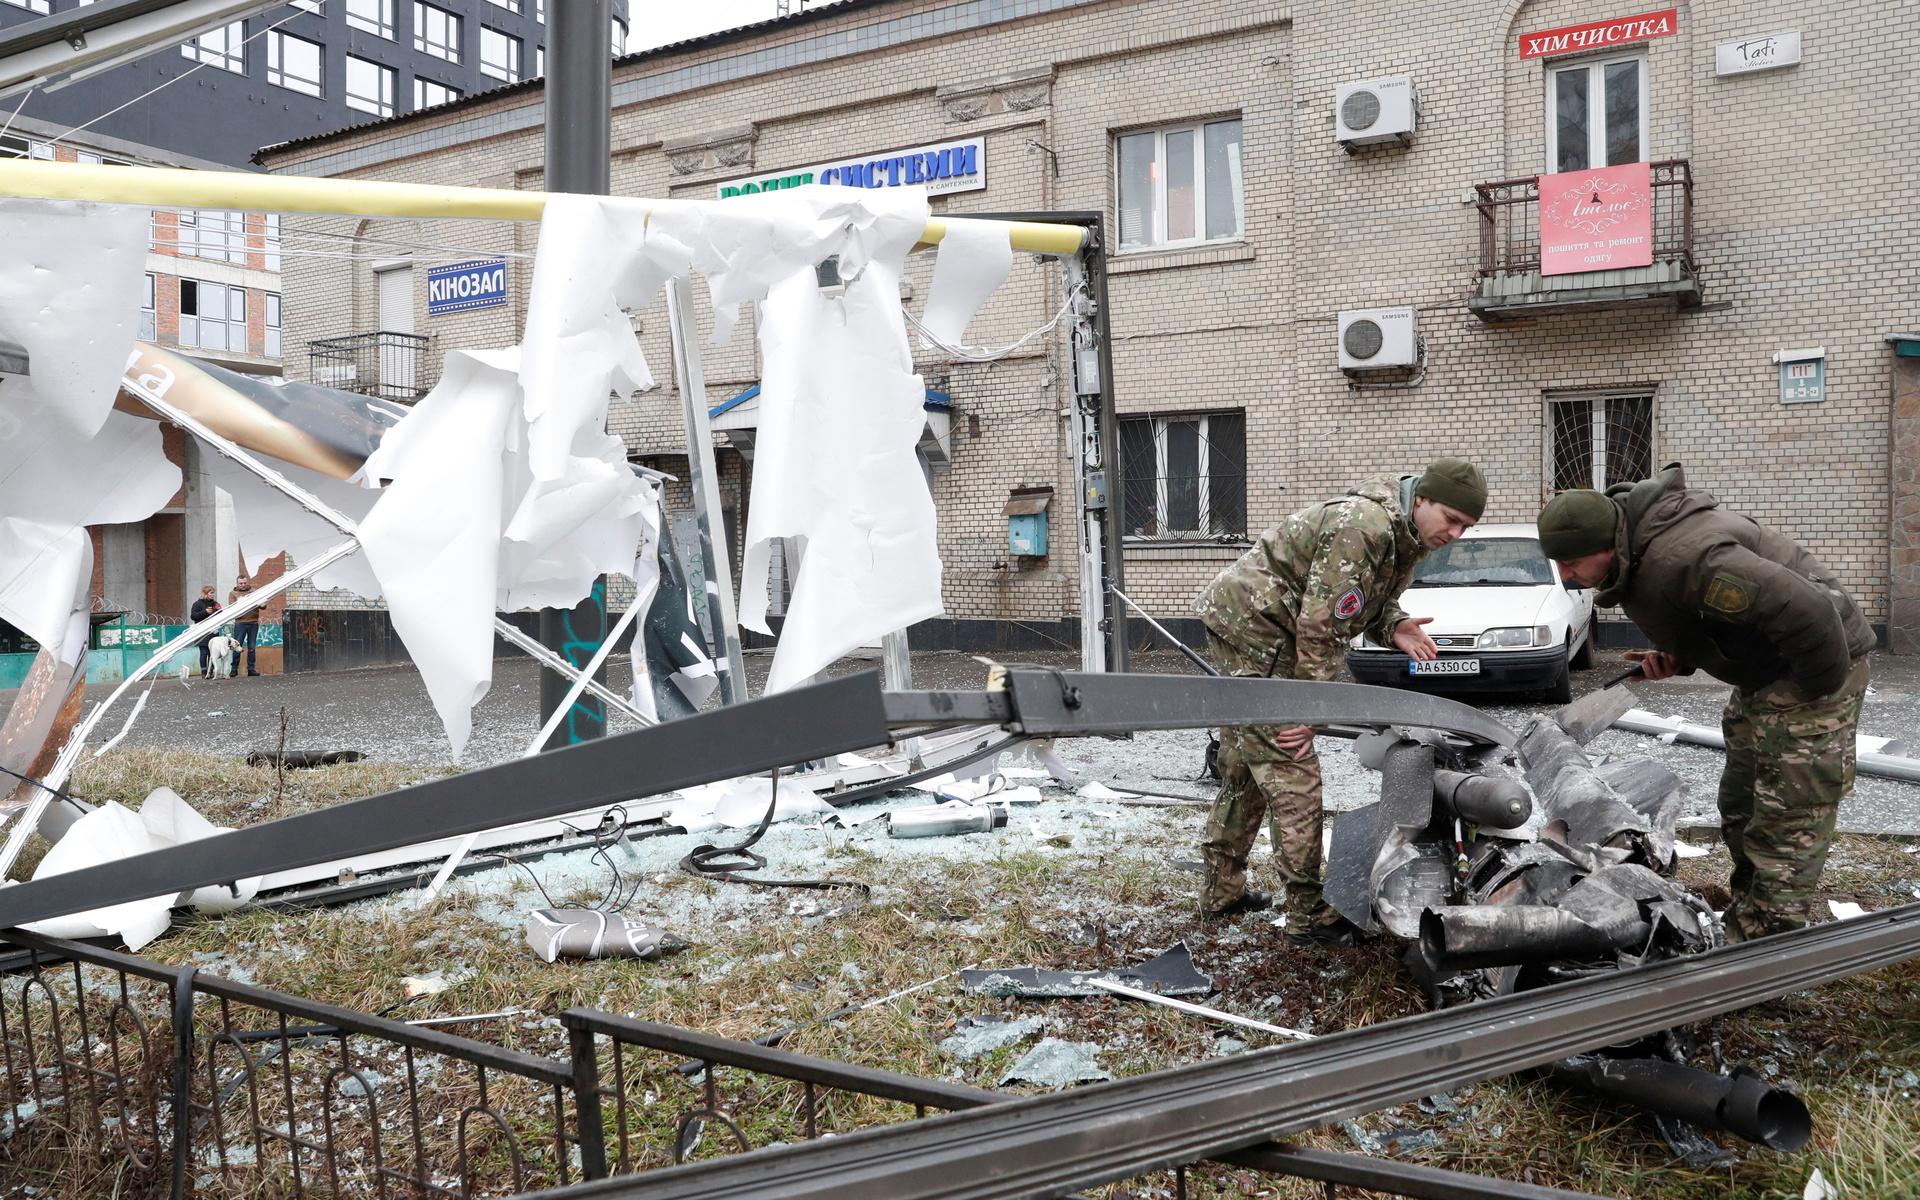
(1468, 937)
(1866, 762)
(1742, 1103)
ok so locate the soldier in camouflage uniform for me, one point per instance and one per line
(1724, 594)
(1286, 610)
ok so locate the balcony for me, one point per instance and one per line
(1510, 283)
(392, 366)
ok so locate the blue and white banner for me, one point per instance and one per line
(943, 168)
(458, 287)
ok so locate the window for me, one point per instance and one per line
(146, 312)
(317, 7)
(370, 86)
(540, 11)
(15, 146)
(436, 31)
(42, 151)
(374, 16)
(499, 55)
(1185, 475)
(39, 6)
(1597, 114)
(221, 236)
(427, 93)
(273, 324)
(212, 317)
(617, 38)
(512, 6)
(540, 61)
(87, 156)
(293, 62)
(270, 243)
(221, 48)
(1179, 186)
(1598, 439)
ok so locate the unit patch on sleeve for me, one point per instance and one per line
(1349, 604)
(1728, 593)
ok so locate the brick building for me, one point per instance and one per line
(212, 291)
(1252, 211)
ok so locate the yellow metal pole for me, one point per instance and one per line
(169, 187)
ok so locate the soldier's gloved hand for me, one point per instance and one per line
(1413, 640)
(1294, 738)
(1654, 664)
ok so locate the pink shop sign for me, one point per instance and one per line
(1596, 220)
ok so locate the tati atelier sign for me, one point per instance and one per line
(1762, 53)
(1599, 35)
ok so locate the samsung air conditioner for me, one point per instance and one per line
(1372, 338)
(1374, 110)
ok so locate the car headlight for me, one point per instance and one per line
(1515, 638)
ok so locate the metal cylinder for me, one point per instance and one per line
(1742, 1103)
(1468, 937)
(945, 820)
(1490, 800)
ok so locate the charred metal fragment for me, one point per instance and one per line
(1740, 1103)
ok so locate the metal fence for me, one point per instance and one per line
(284, 1096)
(392, 366)
(1510, 222)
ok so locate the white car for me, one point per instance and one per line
(1501, 618)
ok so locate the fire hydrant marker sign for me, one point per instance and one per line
(1596, 220)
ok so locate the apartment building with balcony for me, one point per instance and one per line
(1571, 240)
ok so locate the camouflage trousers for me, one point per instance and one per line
(1259, 780)
(1789, 761)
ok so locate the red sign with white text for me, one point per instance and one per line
(1598, 35)
(1596, 220)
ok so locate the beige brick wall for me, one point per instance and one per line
(1804, 183)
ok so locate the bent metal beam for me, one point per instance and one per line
(851, 713)
(1051, 1145)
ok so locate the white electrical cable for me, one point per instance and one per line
(978, 354)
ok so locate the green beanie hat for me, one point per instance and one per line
(1576, 523)
(1456, 483)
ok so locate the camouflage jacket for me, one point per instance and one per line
(1727, 595)
(1318, 578)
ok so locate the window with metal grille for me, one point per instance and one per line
(1185, 475)
(1597, 439)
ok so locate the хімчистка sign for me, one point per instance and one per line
(461, 286)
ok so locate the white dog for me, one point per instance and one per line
(220, 651)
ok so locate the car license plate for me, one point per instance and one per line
(1443, 666)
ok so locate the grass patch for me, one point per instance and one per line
(765, 959)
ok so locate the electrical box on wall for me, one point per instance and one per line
(1372, 111)
(1026, 513)
(1372, 338)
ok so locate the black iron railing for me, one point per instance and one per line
(1510, 219)
(393, 366)
(282, 1095)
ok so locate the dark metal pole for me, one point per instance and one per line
(1094, 254)
(579, 118)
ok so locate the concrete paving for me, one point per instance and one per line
(384, 712)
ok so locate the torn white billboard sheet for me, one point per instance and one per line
(70, 301)
(54, 482)
(840, 413)
(465, 529)
(113, 832)
(974, 260)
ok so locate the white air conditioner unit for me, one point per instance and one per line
(1372, 338)
(1374, 110)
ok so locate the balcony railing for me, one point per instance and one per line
(1509, 272)
(392, 366)
(1510, 219)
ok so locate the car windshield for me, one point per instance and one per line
(1484, 562)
